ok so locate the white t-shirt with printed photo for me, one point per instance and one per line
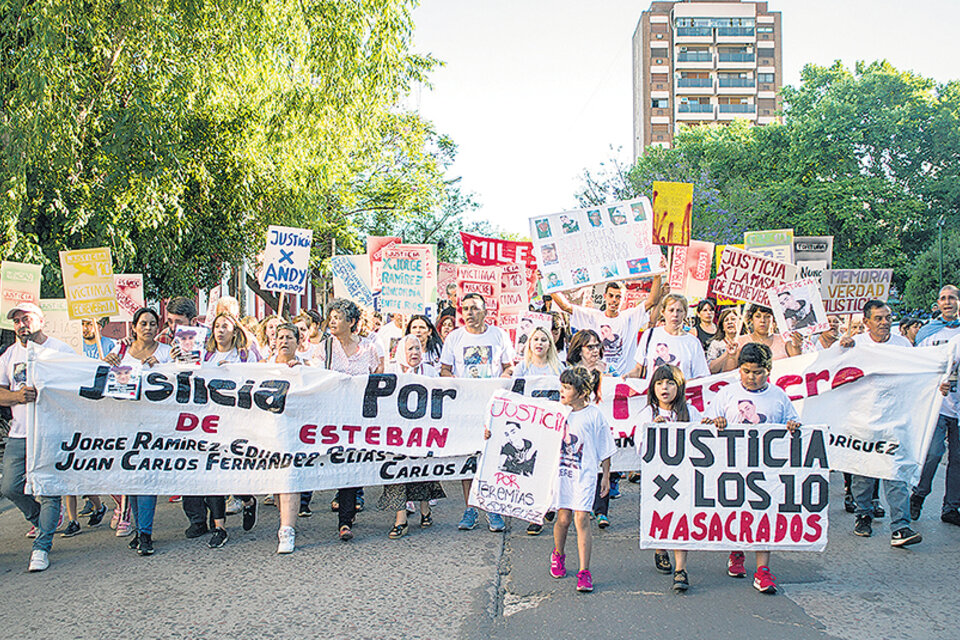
(13, 375)
(951, 403)
(684, 352)
(387, 338)
(618, 335)
(477, 355)
(738, 405)
(588, 442)
(649, 412)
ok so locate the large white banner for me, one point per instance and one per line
(749, 487)
(261, 428)
(518, 470)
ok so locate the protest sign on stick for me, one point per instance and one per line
(707, 490)
(596, 244)
(446, 275)
(513, 297)
(351, 279)
(375, 245)
(19, 282)
(776, 244)
(129, 295)
(485, 251)
(672, 213)
(812, 255)
(748, 276)
(88, 283)
(57, 323)
(848, 290)
(487, 281)
(403, 279)
(286, 260)
(690, 269)
(798, 308)
(519, 468)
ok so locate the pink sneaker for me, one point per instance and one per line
(764, 581)
(33, 533)
(584, 581)
(735, 568)
(558, 567)
(115, 520)
(124, 529)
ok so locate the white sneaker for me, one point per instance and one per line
(38, 561)
(234, 506)
(288, 537)
(411, 508)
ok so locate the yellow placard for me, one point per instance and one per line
(88, 284)
(723, 300)
(672, 213)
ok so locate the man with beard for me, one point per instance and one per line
(17, 392)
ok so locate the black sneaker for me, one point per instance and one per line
(848, 504)
(534, 529)
(878, 511)
(72, 529)
(97, 516)
(249, 515)
(680, 582)
(218, 538)
(662, 562)
(196, 530)
(87, 509)
(305, 511)
(549, 516)
(861, 526)
(951, 517)
(916, 506)
(359, 503)
(146, 545)
(134, 543)
(904, 537)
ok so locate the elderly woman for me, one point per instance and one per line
(395, 496)
(345, 351)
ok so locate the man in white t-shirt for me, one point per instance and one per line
(17, 392)
(617, 329)
(476, 350)
(877, 320)
(942, 330)
(389, 336)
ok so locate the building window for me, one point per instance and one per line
(764, 29)
(765, 53)
(766, 78)
(661, 103)
(658, 53)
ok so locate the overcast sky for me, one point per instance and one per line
(534, 91)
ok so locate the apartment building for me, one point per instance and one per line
(699, 62)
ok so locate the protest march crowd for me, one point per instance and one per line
(660, 339)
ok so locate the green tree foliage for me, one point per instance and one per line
(924, 282)
(174, 132)
(869, 156)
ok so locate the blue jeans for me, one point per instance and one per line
(144, 507)
(896, 492)
(945, 438)
(44, 515)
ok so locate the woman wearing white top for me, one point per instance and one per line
(539, 357)
(409, 359)
(226, 344)
(723, 351)
(287, 339)
(144, 349)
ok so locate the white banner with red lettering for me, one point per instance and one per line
(257, 428)
(749, 487)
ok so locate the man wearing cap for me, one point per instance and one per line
(16, 393)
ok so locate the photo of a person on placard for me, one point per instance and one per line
(798, 312)
(549, 252)
(517, 454)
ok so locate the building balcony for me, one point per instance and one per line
(734, 111)
(694, 56)
(737, 82)
(694, 82)
(735, 31)
(694, 107)
(736, 57)
(694, 31)
(697, 116)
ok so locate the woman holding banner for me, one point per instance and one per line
(345, 351)
(142, 350)
(396, 496)
(286, 340)
(226, 344)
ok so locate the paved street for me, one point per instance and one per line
(442, 583)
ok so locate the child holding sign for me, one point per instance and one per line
(587, 445)
(667, 402)
(753, 401)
